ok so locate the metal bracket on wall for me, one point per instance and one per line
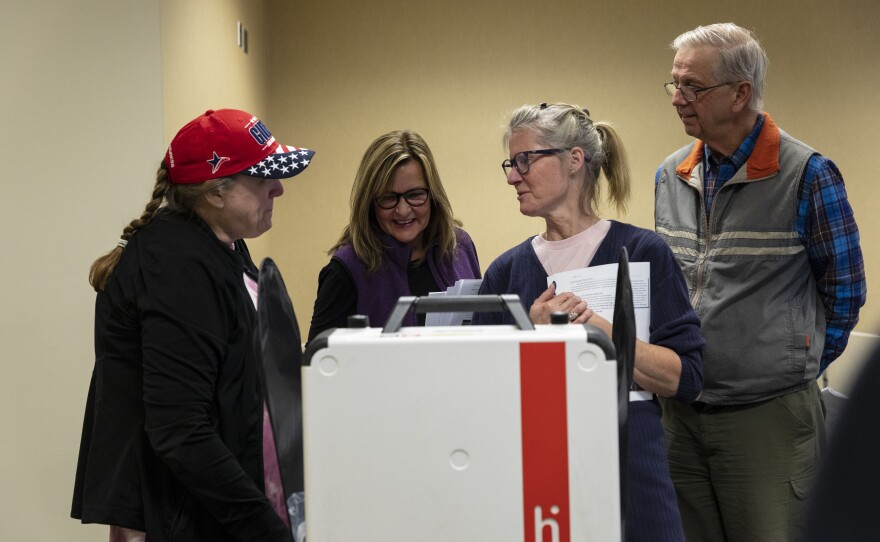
(242, 35)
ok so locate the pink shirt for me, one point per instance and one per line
(576, 252)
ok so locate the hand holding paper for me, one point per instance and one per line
(551, 301)
(596, 286)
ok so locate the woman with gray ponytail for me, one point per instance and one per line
(176, 444)
(558, 156)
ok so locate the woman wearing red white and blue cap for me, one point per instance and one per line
(173, 444)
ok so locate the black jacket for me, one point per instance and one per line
(172, 437)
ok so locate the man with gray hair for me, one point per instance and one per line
(761, 227)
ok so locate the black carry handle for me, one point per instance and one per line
(458, 303)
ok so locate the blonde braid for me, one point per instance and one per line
(103, 267)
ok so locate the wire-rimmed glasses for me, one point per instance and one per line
(690, 92)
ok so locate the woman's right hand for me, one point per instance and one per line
(548, 302)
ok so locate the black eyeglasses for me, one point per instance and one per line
(689, 92)
(521, 162)
(415, 198)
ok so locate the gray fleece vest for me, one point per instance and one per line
(747, 270)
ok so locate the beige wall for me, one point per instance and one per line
(81, 103)
(452, 70)
(82, 97)
(85, 92)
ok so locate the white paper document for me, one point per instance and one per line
(596, 285)
(461, 287)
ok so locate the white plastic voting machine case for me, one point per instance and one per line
(464, 434)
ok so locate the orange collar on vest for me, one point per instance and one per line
(764, 160)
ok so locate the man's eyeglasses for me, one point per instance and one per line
(521, 162)
(689, 92)
(415, 198)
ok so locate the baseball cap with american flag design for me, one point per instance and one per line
(227, 142)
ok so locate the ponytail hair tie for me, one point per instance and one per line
(122, 243)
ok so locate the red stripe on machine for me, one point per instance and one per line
(544, 442)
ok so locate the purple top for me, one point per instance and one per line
(379, 291)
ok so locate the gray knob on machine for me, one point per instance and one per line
(358, 321)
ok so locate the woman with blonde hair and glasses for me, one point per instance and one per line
(176, 443)
(402, 238)
(557, 156)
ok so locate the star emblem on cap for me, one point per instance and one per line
(215, 162)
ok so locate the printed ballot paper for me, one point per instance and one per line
(461, 287)
(596, 286)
